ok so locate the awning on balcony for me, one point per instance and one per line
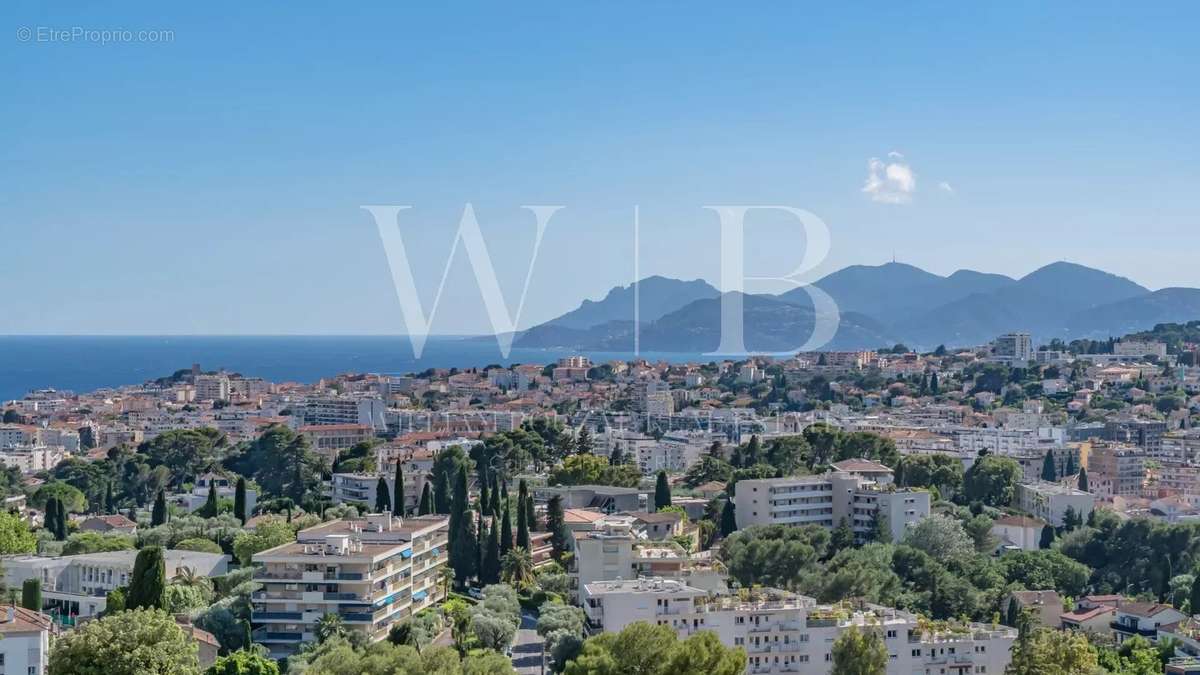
(419, 595)
(406, 553)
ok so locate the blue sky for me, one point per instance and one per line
(212, 184)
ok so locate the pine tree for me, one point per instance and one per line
(426, 505)
(506, 529)
(842, 537)
(31, 594)
(239, 500)
(398, 499)
(148, 580)
(491, 559)
(583, 444)
(382, 501)
(728, 519)
(1194, 606)
(159, 515)
(1049, 471)
(556, 525)
(210, 508)
(1083, 479)
(881, 532)
(662, 492)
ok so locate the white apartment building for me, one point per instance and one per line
(24, 640)
(826, 500)
(212, 387)
(368, 411)
(675, 452)
(360, 488)
(16, 434)
(1140, 348)
(1050, 501)
(613, 549)
(31, 458)
(77, 585)
(372, 572)
(1007, 441)
(786, 633)
(1013, 348)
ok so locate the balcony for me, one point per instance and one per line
(276, 616)
(1130, 629)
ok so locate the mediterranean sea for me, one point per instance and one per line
(86, 363)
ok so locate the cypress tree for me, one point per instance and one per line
(1049, 471)
(933, 384)
(485, 499)
(506, 529)
(1070, 469)
(1047, 537)
(662, 492)
(60, 520)
(583, 444)
(426, 506)
(159, 515)
(399, 504)
(441, 493)
(50, 512)
(210, 508)
(491, 559)
(556, 525)
(1083, 479)
(239, 500)
(1013, 614)
(522, 526)
(463, 554)
(617, 458)
(530, 515)
(109, 501)
(494, 507)
(1195, 596)
(382, 501)
(460, 554)
(728, 519)
(31, 594)
(148, 580)
(481, 544)
(753, 451)
(247, 635)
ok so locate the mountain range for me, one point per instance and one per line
(879, 305)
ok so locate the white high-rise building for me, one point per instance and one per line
(1013, 348)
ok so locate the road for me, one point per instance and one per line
(527, 650)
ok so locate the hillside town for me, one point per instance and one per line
(956, 511)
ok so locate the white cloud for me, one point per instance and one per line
(945, 187)
(890, 181)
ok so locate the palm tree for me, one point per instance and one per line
(328, 626)
(186, 576)
(446, 576)
(517, 568)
